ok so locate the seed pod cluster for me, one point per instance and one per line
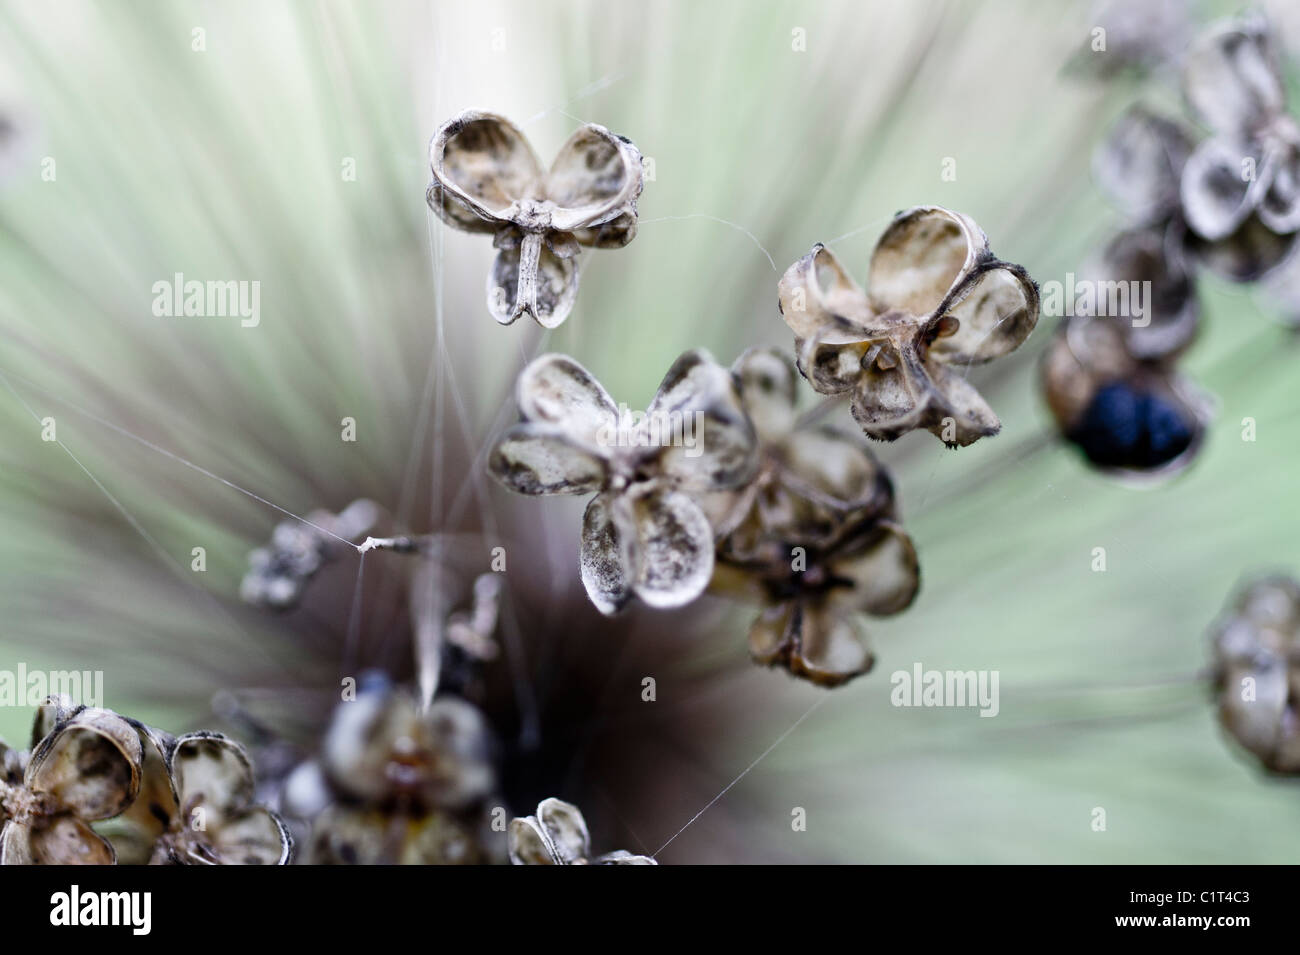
(398, 784)
(814, 539)
(154, 798)
(1229, 204)
(1256, 654)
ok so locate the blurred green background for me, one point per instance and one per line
(227, 162)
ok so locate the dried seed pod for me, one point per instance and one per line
(196, 806)
(1240, 188)
(85, 769)
(486, 178)
(1151, 260)
(557, 835)
(395, 784)
(938, 302)
(812, 484)
(382, 750)
(1140, 165)
(812, 595)
(1256, 651)
(1127, 416)
(644, 534)
(278, 574)
(350, 835)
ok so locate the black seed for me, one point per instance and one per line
(1130, 427)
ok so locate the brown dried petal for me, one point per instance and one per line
(482, 163)
(53, 710)
(1217, 193)
(1258, 723)
(767, 380)
(698, 410)
(1153, 257)
(462, 770)
(65, 841)
(1140, 164)
(1272, 602)
(529, 844)
(213, 770)
(614, 234)
(556, 390)
(595, 180)
(957, 398)
(925, 252)
(1250, 253)
(997, 309)
(673, 555)
(1278, 205)
(1084, 354)
(884, 571)
(1231, 77)
(532, 280)
(814, 642)
(830, 473)
(541, 459)
(90, 764)
(565, 829)
(831, 369)
(251, 837)
(819, 300)
(136, 831)
(605, 556)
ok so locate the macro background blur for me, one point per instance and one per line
(228, 162)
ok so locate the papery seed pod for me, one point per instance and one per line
(1240, 188)
(197, 807)
(1256, 654)
(349, 835)
(1150, 264)
(808, 624)
(557, 835)
(1139, 165)
(812, 485)
(643, 534)
(938, 301)
(395, 784)
(87, 768)
(381, 749)
(1139, 418)
(486, 178)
